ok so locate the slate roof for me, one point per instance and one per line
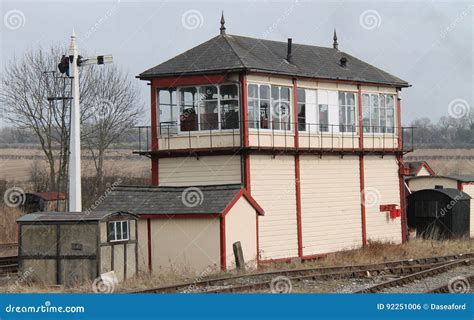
(69, 216)
(463, 178)
(170, 200)
(229, 53)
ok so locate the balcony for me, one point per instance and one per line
(312, 138)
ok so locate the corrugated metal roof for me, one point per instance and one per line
(452, 193)
(226, 53)
(69, 216)
(170, 200)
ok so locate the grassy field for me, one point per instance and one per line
(16, 163)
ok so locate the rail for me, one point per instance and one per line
(274, 135)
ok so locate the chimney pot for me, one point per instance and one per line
(289, 54)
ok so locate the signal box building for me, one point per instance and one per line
(312, 134)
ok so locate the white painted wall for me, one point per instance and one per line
(208, 170)
(381, 187)
(185, 245)
(241, 225)
(330, 204)
(142, 246)
(429, 182)
(469, 189)
(273, 187)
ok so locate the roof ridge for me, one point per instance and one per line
(233, 50)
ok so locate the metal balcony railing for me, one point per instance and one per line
(276, 135)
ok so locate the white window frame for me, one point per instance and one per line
(270, 115)
(356, 111)
(178, 98)
(395, 118)
(116, 238)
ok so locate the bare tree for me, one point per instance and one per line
(115, 109)
(27, 84)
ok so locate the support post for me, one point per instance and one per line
(239, 255)
(75, 192)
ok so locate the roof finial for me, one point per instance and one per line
(335, 45)
(222, 24)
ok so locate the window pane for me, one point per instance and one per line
(350, 98)
(208, 93)
(124, 230)
(285, 93)
(111, 231)
(342, 98)
(164, 97)
(229, 92)
(390, 120)
(118, 231)
(230, 114)
(275, 93)
(301, 116)
(323, 118)
(253, 113)
(265, 92)
(342, 118)
(253, 91)
(209, 115)
(366, 112)
(188, 109)
(264, 114)
(301, 95)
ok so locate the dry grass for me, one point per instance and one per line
(374, 253)
(8, 226)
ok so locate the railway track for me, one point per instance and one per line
(263, 280)
(435, 270)
(449, 287)
(8, 265)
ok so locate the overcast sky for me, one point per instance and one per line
(427, 43)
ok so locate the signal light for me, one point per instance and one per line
(63, 66)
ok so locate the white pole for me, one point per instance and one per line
(75, 203)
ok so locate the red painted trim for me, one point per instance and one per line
(399, 122)
(359, 106)
(374, 84)
(148, 226)
(249, 198)
(179, 216)
(154, 171)
(428, 168)
(257, 239)
(460, 186)
(223, 244)
(361, 169)
(247, 183)
(245, 129)
(298, 206)
(362, 200)
(154, 135)
(401, 183)
(299, 229)
(245, 113)
(253, 202)
(295, 113)
(154, 120)
(170, 82)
